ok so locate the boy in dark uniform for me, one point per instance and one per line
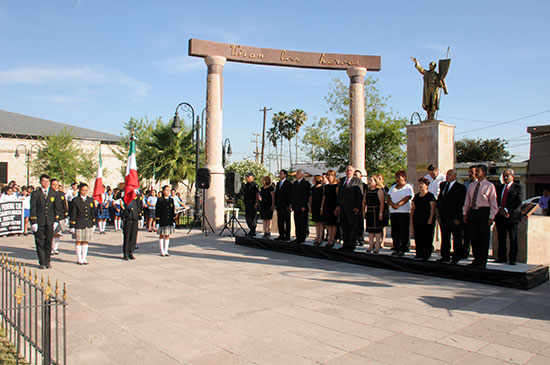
(62, 212)
(131, 214)
(44, 219)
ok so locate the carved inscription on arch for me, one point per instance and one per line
(282, 57)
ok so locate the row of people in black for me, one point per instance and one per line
(463, 215)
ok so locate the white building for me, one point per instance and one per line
(23, 133)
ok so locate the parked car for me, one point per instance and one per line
(531, 201)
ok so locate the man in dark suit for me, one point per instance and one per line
(44, 218)
(361, 222)
(250, 197)
(301, 189)
(350, 200)
(283, 195)
(131, 214)
(449, 204)
(509, 198)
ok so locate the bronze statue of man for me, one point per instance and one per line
(432, 82)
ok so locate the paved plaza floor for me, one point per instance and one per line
(213, 302)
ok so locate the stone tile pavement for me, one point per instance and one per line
(213, 302)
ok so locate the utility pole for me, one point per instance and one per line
(263, 133)
(256, 151)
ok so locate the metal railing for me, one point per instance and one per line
(32, 314)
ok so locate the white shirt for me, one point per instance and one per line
(434, 183)
(152, 201)
(449, 186)
(397, 195)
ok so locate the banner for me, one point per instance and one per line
(11, 217)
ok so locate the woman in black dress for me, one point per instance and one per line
(329, 205)
(315, 201)
(267, 201)
(422, 215)
(373, 208)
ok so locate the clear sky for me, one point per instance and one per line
(98, 63)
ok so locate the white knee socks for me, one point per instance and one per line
(161, 246)
(102, 226)
(85, 252)
(55, 243)
(166, 244)
(78, 249)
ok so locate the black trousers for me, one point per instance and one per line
(283, 222)
(349, 224)
(43, 241)
(423, 238)
(480, 232)
(360, 228)
(301, 225)
(448, 229)
(129, 231)
(250, 215)
(400, 232)
(505, 227)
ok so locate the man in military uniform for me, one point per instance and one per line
(432, 82)
(250, 195)
(131, 214)
(44, 219)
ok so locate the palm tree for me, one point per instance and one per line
(273, 136)
(280, 122)
(170, 156)
(298, 118)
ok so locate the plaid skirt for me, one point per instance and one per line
(83, 235)
(165, 230)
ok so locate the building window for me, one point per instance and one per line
(4, 172)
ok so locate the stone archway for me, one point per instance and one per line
(216, 54)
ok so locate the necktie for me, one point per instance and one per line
(347, 181)
(504, 196)
(474, 198)
(446, 189)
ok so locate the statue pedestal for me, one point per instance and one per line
(429, 143)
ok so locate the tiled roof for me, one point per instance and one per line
(14, 124)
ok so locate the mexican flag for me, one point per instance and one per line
(131, 179)
(98, 185)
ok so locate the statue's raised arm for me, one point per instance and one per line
(432, 82)
(418, 67)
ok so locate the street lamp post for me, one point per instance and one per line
(226, 151)
(27, 158)
(176, 128)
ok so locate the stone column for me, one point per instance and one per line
(214, 197)
(357, 117)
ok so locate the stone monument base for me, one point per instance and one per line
(430, 142)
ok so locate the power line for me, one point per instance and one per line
(502, 123)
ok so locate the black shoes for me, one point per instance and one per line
(443, 259)
(42, 267)
(131, 257)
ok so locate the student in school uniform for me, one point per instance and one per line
(103, 212)
(82, 222)
(165, 212)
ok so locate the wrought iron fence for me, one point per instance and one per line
(33, 314)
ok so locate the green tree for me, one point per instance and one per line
(478, 150)
(298, 118)
(142, 129)
(169, 156)
(328, 139)
(60, 157)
